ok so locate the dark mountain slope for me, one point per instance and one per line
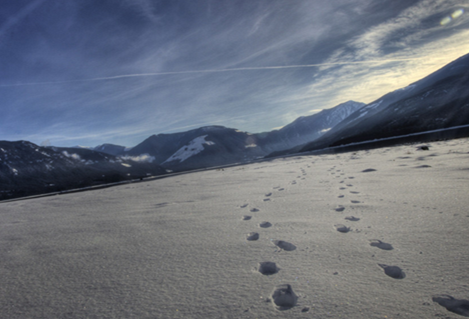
(28, 169)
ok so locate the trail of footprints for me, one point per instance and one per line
(283, 297)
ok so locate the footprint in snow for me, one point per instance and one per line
(340, 196)
(268, 268)
(353, 192)
(246, 217)
(243, 206)
(265, 225)
(381, 245)
(252, 236)
(355, 201)
(283, 297)
(352, 218)
(458, 306)
(284, 245)
(254, 210)
(339, 209)
(342, 228)
(268, 194)
(393, 271)
(368, 170)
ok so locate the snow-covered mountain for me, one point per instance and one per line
(306, 128)
(438, 101)
(218, 145)
(198, 148)
(29, 169)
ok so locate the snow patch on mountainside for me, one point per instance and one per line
(194, 147)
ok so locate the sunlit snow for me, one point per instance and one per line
(194, 147)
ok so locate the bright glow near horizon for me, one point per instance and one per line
(86, 72)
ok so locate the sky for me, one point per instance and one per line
(87, 72)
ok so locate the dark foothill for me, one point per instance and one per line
(283, 297)
(268, 268)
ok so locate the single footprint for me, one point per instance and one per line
(381, 245)
(245, 205)
(266, 199)
(254, 210)
(283, 297)
(268, 194)
(252, 236)
(368, 170)
(265, 225)
(342, 188)
(246, 217)
(284, 245)
(352, 218)
(353, 192)
(340, 196)
(458, 306)
(281, 189)
(342, 228)
(339, 209)
(355, 201)
(393, 271)
(268, 268)
(422, 166)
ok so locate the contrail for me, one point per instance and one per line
(124, 76)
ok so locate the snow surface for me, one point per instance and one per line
(376, 233)
(194, 147)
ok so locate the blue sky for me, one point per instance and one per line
(87, 72)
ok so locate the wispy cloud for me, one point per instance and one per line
(87, 72)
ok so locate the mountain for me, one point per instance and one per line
(306, 128)
(436, 102)
(217, 145)
(28, 169)
(199, 148)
